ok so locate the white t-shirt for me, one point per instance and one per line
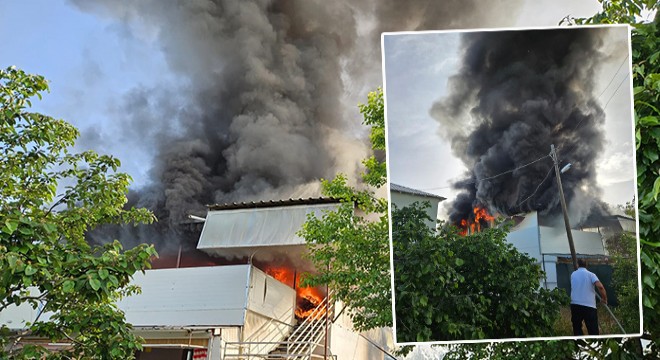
(582, 287)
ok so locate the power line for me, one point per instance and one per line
(603, 92)
(615, 91)
(612, 79)
(510, 171)
(537, 188)
(604, 107)
(491, 177)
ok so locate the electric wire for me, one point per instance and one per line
(615, 91)
(537, 188)
(604, 107)
(490, 177)
(613, 77)
(603, 92)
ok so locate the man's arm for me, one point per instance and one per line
(601, 290)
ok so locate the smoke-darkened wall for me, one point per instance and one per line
(266, 102)
(516, 93)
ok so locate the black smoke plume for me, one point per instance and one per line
(516, 93)
(266, 103)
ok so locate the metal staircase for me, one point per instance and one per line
(305, 342)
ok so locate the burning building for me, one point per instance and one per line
(252, 306)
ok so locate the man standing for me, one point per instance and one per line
(583, 299)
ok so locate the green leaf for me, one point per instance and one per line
(28, 231)
(103, 273)
(649, 281)
(30, 270)
(11, 260)
(95, 283)
(11, 225)
(68, 286)
(651, 154)
(649, 121)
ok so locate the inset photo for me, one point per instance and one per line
(512, 179)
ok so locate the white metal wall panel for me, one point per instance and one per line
(555, 241)
(550, 271)
(215, 296)
(270, 315)
(271, 298)
(347, 344)
(525, 237)
(257, 226)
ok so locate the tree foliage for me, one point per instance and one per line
(625, 281)
(349, 247)
(50, 198)
(453, 287)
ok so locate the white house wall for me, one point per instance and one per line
(15, 317)
(555, 241)
(347, 344)
(525, 237)
(402, 200)
(550, 267)
(214, 296)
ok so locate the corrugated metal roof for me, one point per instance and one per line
(407, 190)
(273, 203)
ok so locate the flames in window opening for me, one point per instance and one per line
(307, 298)
(481, 219)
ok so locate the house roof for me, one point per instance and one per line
(273, 203)
(406, 190)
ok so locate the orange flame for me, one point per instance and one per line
(480, 215)
(307, 298)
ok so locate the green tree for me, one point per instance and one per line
(453, 287)
(625, 281)
(49, 199)
(349, 247)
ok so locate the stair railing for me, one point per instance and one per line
(310, 332)
(300, 344)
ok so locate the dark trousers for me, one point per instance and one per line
(587, 314)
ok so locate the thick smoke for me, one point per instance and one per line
(266, 103)
(517, 93)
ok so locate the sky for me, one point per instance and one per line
(91, 63)
(417, 68)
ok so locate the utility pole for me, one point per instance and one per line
(553, 155)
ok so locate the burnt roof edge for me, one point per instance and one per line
(273, 203)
